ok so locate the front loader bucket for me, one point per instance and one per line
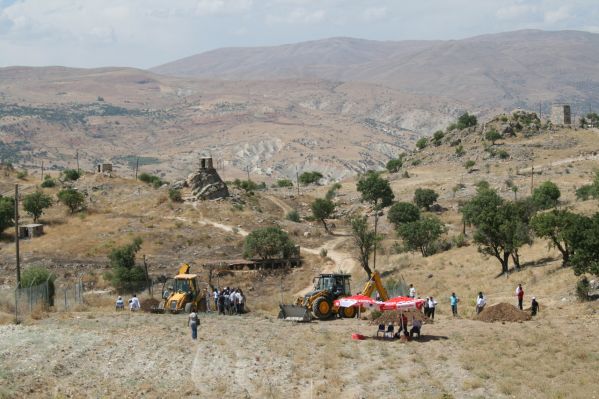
(295, 313)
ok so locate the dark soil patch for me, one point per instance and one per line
(502, 312)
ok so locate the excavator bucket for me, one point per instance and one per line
(295, 313)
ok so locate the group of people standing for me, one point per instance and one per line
(229, 301)
(430, 303)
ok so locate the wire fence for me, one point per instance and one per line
(27, 301)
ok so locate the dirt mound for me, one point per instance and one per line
(148, 304)
(394, 317)
(502, 312)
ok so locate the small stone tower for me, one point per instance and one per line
(561, 114)
(206, 184)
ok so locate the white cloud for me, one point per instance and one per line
(375, 13)
(515, 11)
(297, 16)
(559, 15)
(222, 7)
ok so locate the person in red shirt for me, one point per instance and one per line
(520, 295)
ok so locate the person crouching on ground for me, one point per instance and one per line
(480, 303)
(534, 307)
(120, 304)
(416, 327)
(193, 322)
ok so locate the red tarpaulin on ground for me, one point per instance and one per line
(357, 301)
(402, 303)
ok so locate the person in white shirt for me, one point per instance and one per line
(120, 304)
(134, 304)
(480, 303)
(193, 321)
(431, 307)
(412, 291)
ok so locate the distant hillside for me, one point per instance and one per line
(510, 69)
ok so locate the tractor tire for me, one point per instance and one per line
(347, 313)
(322, 308)
(188, 307)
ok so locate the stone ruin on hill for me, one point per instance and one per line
(205, 183)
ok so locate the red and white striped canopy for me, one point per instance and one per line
(357, 301)
(402, 303)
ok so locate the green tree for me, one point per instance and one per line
(71, 174)
(268, 243)
(375, 190)
(562, 228)
(466, 120)
(425, 197)
(364, 240)
(322, 209)
(310, 178)
(35, 203)
(36, 275)
(71, 198)
(422, 235)
(422, 143)
(586, 249)
(500, 227)
(126, 276)
(394, 165)
(293, 215)
(7, 213)
(546, 195)
(48, 182)
(284, 183)
(332, 192)
(492, 136)
(403, 212)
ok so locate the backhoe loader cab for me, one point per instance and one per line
(337, 284)
(182, 292)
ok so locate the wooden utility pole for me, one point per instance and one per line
(42, 170)
(247, 168)
(297, 180)
(136, 167)
(17, 235)
(77, 156)
(540, 112)
(532, 178)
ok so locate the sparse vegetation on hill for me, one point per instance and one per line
(425, 197)
(48, 182)
(71, 174)
(154, 181)
(284, 183)
(322, 209)
(7, 212)
(72, 199)
(307, 178)
(125, 275)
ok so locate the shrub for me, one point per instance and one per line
(503, 154)
(469, 164)
(72, 199)
(422, 143)
(406, 174)
(153, 180)
(293, 215)
(310, 177)
(71, 174)
(585, 192)
(284, 183)
(48, 182)
(459, 241)
(35, 275)
(437, 137)
(459, 150)
(323, 252)
(22, 174)
(332, 192)
(583, 287)
(394, 165)
(175, 195)
(466, 120)
(416, 162)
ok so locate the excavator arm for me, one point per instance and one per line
(375, 283)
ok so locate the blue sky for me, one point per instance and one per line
(145, 33)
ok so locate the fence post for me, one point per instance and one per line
(65, 299)
(17, 305)
(30, 300)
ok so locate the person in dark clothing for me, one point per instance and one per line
(534, 306)
(221, 302)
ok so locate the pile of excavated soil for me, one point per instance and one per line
(502, 312)
(148, 304)
(394, 317)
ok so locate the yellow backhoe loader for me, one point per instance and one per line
(182, 292)
(318, 303)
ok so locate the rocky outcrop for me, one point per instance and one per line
(206, 184)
